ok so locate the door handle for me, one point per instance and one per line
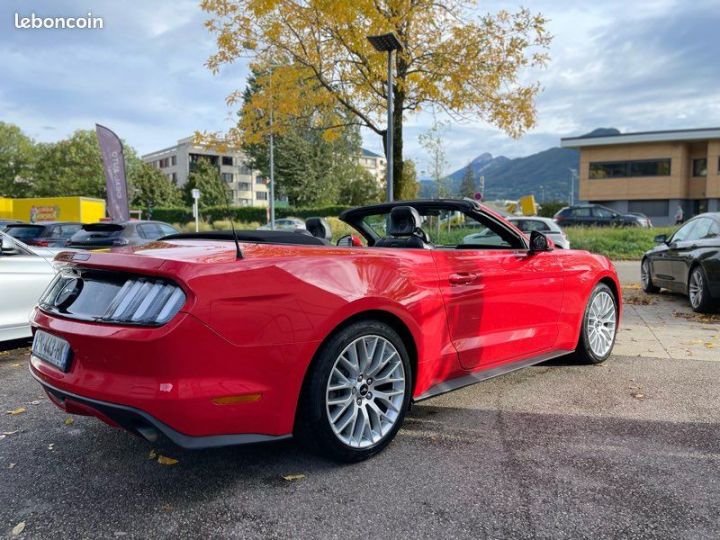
(463, 278)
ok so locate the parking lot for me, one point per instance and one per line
(630, 448)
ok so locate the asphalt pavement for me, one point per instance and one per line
(627, 449)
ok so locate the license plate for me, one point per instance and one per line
(52, 349)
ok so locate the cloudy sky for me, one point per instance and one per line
(631, 64)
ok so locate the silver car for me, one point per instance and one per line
(526, 224)
(285, 224)
(25, 272)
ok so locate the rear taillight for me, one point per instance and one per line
(130, 300)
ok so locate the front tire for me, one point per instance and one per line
(646, 277)
(357, 393)
(599, 326)
(699, 291)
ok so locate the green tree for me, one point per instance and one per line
(311, 168)
(74, 166)
(409, 187)
(360, 190)
(434, 145)
(17, 155)
(153, 188)
(206, 177)
(468, 187)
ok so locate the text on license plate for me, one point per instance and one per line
(51, 349)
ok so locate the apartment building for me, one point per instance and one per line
(375, 164)
(651, 172)
(247, 186)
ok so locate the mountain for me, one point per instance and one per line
(512, 178)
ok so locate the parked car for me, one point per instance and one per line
(129, 233)
(687, 262)
(200, 341)
(528, 224)
(285, 224)
(595, 215)
(25, 272)
(5, 222)
(50, 234)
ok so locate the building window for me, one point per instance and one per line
(627, 169)
(245, 202)
(173, 178)
(228, 177)
(650, 208)
(164, 162)
(227, 160)
(259, 180)
(699, 167)
(244, 186)
(173, 160)
(261, 196)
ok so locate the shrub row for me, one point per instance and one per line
(244, 213)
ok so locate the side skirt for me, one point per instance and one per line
(479, 376)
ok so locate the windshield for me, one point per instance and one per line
(25, 232)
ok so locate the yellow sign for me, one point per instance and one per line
(43, 209)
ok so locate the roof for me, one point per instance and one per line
(700, 134)
(368, 153)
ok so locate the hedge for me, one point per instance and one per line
(242, 213)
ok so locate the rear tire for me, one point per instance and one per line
(599, 326)
(699, 291)
(356, 394)
(646, 278)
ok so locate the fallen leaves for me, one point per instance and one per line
(69, 421)
(18, 529)
(293, 477)
(11, 466)
(162, 460)
(17, 411)
(51, 446)
(699, 317)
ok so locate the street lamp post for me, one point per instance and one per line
(196, 211)
(388, 43)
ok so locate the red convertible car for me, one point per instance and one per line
(202, 341)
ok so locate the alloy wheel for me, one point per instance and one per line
(696, 288)
(601, 323)
(365, 391)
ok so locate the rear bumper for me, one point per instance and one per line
(182, 378)
(142, 424)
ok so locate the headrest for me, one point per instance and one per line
(319, 228)
(404, 220)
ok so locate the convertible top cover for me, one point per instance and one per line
(260, 237)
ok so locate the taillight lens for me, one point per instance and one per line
(128, 300)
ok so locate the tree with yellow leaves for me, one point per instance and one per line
(316, 57)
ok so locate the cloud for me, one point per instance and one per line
(631, 65)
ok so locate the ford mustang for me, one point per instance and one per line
(211, 339)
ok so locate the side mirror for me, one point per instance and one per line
(660, 239)
(349, 240)
(539, 242)
(8, 246)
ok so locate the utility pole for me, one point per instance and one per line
(388, 43)
(573, 178)
(271, 202)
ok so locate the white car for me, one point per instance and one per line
(526, 224)
(285, 224)
(25, 272)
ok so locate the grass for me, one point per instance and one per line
(617, 243)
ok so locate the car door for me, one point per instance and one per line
(683, 252)
(602, 217)
(24, 277)
(582, 215)
(502, 302)
(663, 261)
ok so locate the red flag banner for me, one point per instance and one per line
(114, 163)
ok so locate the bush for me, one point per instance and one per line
(617, 243)
(171, 215)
